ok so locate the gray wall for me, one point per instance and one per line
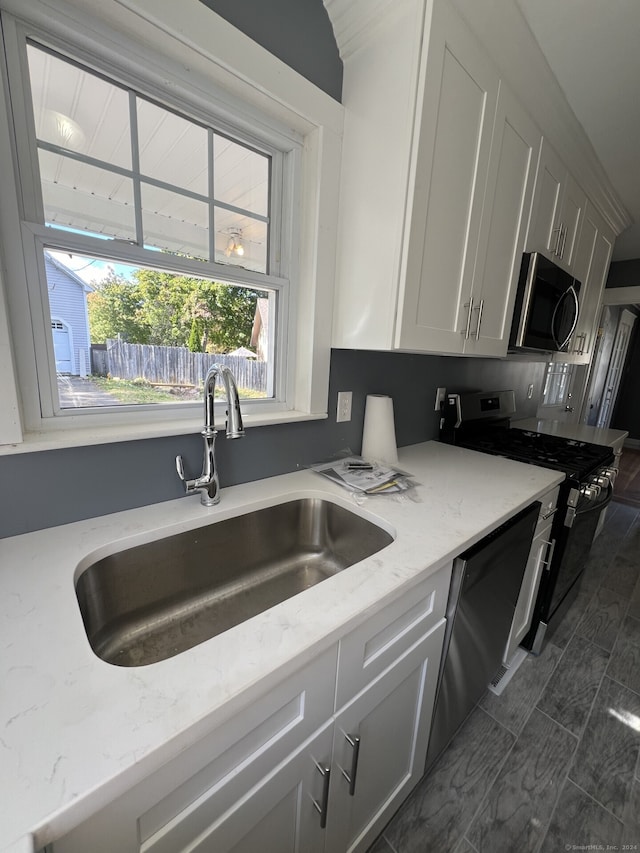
(624, 274)
(39, 490)
(298, 32)
(626, 414)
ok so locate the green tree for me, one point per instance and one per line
(114, 309)
(172, 310)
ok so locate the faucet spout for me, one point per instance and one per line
(208, 483)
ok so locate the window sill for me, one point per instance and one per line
(87, 436)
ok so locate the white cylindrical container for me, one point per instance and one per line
(379, 432)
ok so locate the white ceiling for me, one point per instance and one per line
(593, 48)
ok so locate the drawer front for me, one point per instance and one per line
(369, 650)
(549, 502)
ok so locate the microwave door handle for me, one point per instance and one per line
(571, 290)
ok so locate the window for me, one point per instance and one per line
(558, 384)
(91, 205)
(133, 209)
(121, 172)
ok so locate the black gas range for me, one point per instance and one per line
(482, 422)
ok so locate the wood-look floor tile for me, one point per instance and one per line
(381, 845)
(595, 571)
(631, 834)
(513, 707)
(566, 629)
(603, 618)
(634, 603)
(624, 665)
(518, 807)
(437, 813)
(623, 574)
(606, 759)
(579, 822)
(465, 847)
(570, 692)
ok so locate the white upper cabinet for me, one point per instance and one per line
(431, 237)
(592, 261)
(510, 181)
(558, 210)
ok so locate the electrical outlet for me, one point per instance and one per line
(344, 406)
(530, 392)
(441, 393)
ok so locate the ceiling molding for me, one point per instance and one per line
(354, 20)
(502, 28)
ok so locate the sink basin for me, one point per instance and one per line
(155, 600)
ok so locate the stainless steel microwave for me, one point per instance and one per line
(546, 308)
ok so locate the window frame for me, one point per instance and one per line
(313, 153)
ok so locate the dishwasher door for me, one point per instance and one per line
(484, 590)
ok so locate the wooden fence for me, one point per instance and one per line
(178, 365)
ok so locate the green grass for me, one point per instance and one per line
(138, 391)
(132, 391)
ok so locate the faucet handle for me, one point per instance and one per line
(180, 468)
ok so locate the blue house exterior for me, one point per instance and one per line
(69, 318)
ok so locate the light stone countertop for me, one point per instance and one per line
(75, 732)
(579, 432)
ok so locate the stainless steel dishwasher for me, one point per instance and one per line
(484, 590)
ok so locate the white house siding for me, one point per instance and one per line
(68, 305)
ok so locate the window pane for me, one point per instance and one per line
(86, 198)
(78, 110)
(240, 240)
(172, 149)
(241, 176)
(175, 223)
(152, 334)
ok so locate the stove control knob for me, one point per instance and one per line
(611, 473)
(601, 480)
(590, 492)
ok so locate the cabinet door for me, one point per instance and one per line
(391, 718)
(574, 202)
(544, 230)
(539, 556)
(173, 807)
(593, 258)
(514, 150)
(558, 208)
(280, 814)
(449, 176)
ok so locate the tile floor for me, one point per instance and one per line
(553, 764)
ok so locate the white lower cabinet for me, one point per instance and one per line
(318, 763)
(539, 557)
(380, 745)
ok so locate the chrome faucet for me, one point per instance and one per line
(207, 483)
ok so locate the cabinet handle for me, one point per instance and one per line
(480, 310)
(556, 249)
(563, 233)
(323, 806)
(552, 547)
(468, 305)
(354, 743)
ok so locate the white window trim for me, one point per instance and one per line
(199, 49)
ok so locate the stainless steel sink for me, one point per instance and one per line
(153, 601)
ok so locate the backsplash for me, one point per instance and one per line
(48, 488)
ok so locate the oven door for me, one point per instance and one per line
(560, 580)
(578, 540)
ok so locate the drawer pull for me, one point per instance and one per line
(354, 743)
(323, 806)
